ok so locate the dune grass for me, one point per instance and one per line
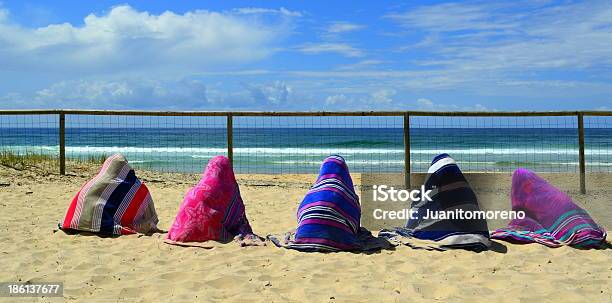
(27, 160)
(91, 159)
(50, 162)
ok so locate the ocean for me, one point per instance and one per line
(301, 150)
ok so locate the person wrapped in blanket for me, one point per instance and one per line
(551, 217)
(114, 202)
(450, 191)
(329, 215)
(213, 210)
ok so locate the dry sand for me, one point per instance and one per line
(142, 268)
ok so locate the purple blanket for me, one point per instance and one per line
(551, 217)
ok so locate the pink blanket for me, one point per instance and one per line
(552, 218)
(213, 209)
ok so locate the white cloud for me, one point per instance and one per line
(257, 10)
(360, 65)
(496, 37)
(126, 58)
(449, 17)
(275, 93)
(383, 96)
(87, 91)
(336, 100)
(11, 97)
(3, 14)
(124, 39)
(146, 93)
(426, 104)
(120, 94)
(383, 99)
(338, 48)
(342, 27)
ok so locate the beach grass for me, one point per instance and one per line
(24, 161)
(91, 159)
(28, 160)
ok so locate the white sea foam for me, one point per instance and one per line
(426, 163)
(262, 151)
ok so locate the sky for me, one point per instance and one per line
(306, 55)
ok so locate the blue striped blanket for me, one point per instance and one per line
(450, 191)
(329, 216)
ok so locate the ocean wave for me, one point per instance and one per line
(462, 163)
(198, 152)
(360, 143)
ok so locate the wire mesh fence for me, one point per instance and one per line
(30, 141)
(598, 143)
(299, 144)
(167, 144)
(371, 142)
(492, 144)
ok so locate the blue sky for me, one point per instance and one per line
(307, 55)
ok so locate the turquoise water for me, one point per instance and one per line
(300, 150)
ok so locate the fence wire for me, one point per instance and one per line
(491, 144)
(166, 144)
(598, 143)
(299, 144)
(30, 141)
(276, 143)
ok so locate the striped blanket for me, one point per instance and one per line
(213, 210)
(329, 216)
(552, 218)
(114, 202)
(450, 192)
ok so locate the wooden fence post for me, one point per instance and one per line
(230, 138)
(581, 153)
(62, 143)
(407, 168)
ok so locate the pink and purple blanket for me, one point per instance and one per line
(552, 218)
(213, 209)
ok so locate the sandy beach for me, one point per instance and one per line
(140, 268)
(111, 110)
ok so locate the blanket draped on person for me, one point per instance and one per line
(213, 210)
(551, 217)
(450, 192)
(329, 215)
(114, 202)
